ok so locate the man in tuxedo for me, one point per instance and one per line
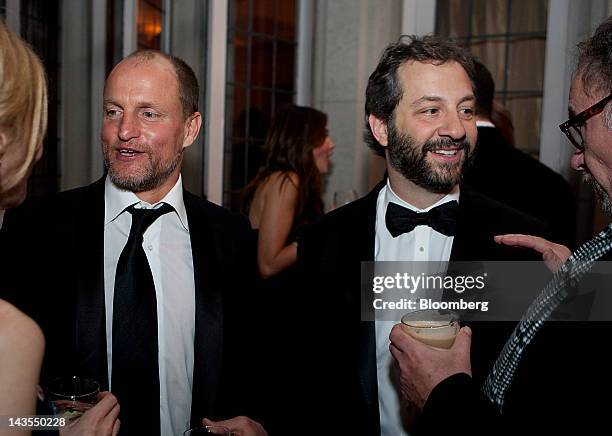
(551, 375)
(134, 282)
(420, 118)
(521, 182)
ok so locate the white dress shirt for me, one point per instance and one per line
(167, 246)
(1, 218)
(421, 244)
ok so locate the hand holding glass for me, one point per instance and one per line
(71, 396)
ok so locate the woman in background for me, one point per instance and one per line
(286, 192)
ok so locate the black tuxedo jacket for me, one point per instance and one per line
(53, 254)
(341, 348)
(512, 177)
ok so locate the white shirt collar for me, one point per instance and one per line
(392, 197)
(1, 217)
(117, 200)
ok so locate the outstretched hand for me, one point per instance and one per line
(553, 255)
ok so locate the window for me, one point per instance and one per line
(509, 37)
(260, 79)
(149, 24)
(40, 28)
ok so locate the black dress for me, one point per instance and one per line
(280, 306)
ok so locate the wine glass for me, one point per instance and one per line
(344, 197)
(71, 396)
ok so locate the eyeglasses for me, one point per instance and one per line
(571, 127)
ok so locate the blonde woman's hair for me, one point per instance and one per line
(23, 103)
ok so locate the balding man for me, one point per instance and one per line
(135, 283)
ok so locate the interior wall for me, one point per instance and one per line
(76, 149)
(188, 42)
(349, 37)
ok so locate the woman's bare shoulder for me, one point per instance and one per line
(16, 328)
(278, 179)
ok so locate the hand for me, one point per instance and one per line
(554, 255)
(423, 367)
(240, 426)
(100, 420)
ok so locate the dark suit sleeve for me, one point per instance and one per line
(242, 377)
(456, 407)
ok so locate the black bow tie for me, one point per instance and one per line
(442, 219)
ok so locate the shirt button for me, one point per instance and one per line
(150, 247)
(421, 249)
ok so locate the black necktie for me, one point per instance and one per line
(135, 370)
(442, 219)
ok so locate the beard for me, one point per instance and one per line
(150, 176)
(600, 192)
(410, 160)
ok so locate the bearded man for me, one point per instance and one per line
(551, 374)
(419, 115)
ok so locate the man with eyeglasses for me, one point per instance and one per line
(594, 161)
(551, 377)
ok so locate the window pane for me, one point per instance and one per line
(285, 63)
(526, 118)
(281, 99)
(262, 101)
(526, 70)
(489, 17)
(236, 102)
(264, 16)
(509, 37)
(149, 25)
(529, 15)
(237, 59)
(239, 14)
(452, 18)
(261, 70)
(286, 20)
(492, 53)
(230, 194)
(262, 59)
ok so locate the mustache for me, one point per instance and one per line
(446, 143)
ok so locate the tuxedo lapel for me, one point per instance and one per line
(208, 343)
(461, 243)
(474, 239)
(360, 236)
(90, 305)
